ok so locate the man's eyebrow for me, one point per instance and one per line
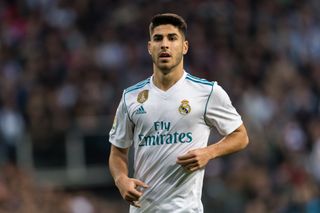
(157, 35)
(173, 34)
(161, 35)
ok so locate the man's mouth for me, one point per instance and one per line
(164, 55)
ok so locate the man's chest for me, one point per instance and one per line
(154, 111)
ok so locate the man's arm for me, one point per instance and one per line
(198, 158)
(128, 187)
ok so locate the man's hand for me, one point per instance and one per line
(131, 189)
(194, 160)
(199, 158)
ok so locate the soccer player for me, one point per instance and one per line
(167, 120)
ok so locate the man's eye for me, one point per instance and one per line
(172, 38)
(157, 38)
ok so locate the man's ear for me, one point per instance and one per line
(149, 47)
(185, 47)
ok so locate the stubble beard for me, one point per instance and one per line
(166, 69)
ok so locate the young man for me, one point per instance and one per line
(167, 119)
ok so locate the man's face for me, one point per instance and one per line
(167, 46)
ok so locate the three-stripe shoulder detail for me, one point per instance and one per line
(199, 80)
(138, 85)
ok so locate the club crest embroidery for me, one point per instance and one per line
(184, 108)
(143, 96)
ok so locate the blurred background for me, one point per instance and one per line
(64, 64)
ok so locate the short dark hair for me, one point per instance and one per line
(168, 18)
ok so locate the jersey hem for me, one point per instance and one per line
(233, 128)
(118, 145)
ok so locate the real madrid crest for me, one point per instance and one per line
(184, 108)
(143, 96)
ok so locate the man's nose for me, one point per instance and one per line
(165, 44)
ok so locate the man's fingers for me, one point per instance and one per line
(186, 162)
(135, 194)
(192, 169)
(134, 203)
(192, 166)
(186, 156)
(141, 184)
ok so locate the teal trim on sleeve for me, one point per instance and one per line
(205, 111)
(125, 106)
(138, 85)
(198, 80)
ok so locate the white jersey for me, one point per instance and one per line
(162, 125)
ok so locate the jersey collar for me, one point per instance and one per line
(172, 88)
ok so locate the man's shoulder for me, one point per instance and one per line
(137, 87)
(200, 82)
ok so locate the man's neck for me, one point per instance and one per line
(165, 81)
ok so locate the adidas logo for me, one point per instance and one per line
(140, 110)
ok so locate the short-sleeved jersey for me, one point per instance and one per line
(162, 125)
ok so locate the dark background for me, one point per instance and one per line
(64, 64)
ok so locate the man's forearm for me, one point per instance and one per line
(128, 187)
(198, 158)
(233, 142)
(118, 162)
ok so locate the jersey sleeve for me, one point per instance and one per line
(220, 112)
(121, 133)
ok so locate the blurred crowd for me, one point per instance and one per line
(64, 64)
(19, 193)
